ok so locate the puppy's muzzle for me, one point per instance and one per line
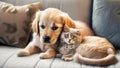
(46, 39)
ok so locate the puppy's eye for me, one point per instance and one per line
(42, 26)
(54, 28)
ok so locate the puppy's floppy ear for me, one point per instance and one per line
(67, 20)
(35, 24)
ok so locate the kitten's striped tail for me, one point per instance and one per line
(109, 59)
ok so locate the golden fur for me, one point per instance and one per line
(91, 50)
(48, 24)
(95, 50)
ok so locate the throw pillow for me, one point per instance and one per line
(15, 23)
(106, 20)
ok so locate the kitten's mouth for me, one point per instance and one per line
(70, 43)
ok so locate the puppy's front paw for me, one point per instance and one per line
(23, 52)
(45, 56)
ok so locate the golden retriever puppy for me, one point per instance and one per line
(47, 27)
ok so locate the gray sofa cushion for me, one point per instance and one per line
(106, 20)
(77, 9)
(9, 59)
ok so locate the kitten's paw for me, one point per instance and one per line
(23, 52)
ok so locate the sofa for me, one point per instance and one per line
(102, 16)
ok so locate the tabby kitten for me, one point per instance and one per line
(69, 41)
(92, 50)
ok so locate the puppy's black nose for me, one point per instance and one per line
(46, 39)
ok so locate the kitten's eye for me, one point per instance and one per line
(42, 26)
(66, 47)
(54, 28)
(66, 35)
(72, 36)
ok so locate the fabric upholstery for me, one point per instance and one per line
(15, 23)
(77, 9)
(8, 55)
(106, 20)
